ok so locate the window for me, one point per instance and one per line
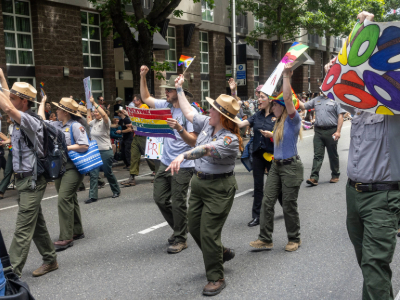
(258, 23)
(256, 84)
(207, 14)
(97, 87)
(256, 62)
(338, 42)
(31, 80)
(91, 43)
(170, 55)
(205, 92)
(17, 32)
(323, 40)
(203, 38)
(126, 63)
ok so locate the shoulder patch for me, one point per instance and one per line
(227, 140)
(82, 129)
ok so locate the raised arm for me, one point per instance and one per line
(183, 102)
(287, 89)
(233, 85)
(100, 110)
(144, 91)
(3, 82)
(9, 108)
(244, 124)
(41, 108)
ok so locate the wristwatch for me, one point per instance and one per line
(181, 131)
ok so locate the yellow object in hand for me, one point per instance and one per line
(268, 156)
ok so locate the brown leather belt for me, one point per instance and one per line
(206, 176)
(325, 127)
(288, 161)
(373, 187)
(22, 175)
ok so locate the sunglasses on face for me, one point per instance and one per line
(168, 90)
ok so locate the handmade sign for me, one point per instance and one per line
(42, 93)
(366, 74)
(280, 99)
(88, 91)
(154, 147)
(293, 53)
(151, 122)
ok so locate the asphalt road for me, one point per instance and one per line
(124, 253)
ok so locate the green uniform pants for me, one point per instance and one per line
(170, 195)
(372, 222)
(30, 225)
(7, 174)
(138, 148)
(323, 138)
(209, 205)
(285, 179)
(100, 181)
(107, 158)
(69, 212)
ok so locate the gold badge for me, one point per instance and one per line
(17, 128)
(67, 129)
(358, 113)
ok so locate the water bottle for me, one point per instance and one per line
(55, 163)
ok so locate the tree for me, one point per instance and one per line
(392, 9)
(116, 19)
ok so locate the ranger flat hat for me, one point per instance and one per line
(69, 105)
(24, 90)
(82, 109)
(170, 84)
(226, 105)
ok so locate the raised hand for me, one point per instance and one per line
(179, 81)
(143, 71)
(232, 84)
(365, 15)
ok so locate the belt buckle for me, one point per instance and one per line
(197, 174)
(356, 186)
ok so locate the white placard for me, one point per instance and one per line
(88, 91)
(154, 147)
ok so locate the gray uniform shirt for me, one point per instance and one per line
(33, 129)
(374, 148)
(79, 131)
(326, 111)
(101, 133)
(226, 143)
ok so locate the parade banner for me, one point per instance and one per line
(88, 91)
(151, 122)
(154, 148)
(293, 53)
(366, 74)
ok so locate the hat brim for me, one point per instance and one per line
(211, 101)
(77, 113)
(25, 98)
(174, 88)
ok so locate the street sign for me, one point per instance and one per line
(241, 74)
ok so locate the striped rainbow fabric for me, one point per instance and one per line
(186, 60)
(151, 122)
(279, 99)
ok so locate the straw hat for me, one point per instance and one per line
(226, 105)
(24, 90)
(82, 109)
(170, 84)
(69, 105)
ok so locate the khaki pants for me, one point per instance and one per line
(137, 150)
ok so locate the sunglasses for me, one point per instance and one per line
(168, 90)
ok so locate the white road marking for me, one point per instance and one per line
(165, 223)
(398, 296)
(55, 196)
(304, 137)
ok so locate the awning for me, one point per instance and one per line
(159, 43)
(251, 52)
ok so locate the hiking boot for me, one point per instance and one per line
(228, 255)
(258, 244)
(292, 246)
(81, 189)
(171, 239)
(45, 268)
(334, 180)
(312, 181)
(130, 182)
(90, 200)
(214, 287)
(63, 245)
(78, 236)
(177, 247)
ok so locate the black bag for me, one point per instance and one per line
(52, 164)
(15, 288)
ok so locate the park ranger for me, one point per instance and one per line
(30, 221)
(327, 127)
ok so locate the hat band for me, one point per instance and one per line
(67, 108)
(223, 110)
(16, 93)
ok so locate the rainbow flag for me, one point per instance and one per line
(82, 102)
(279, 99)
(186, 60)
(151, 122)
(9, 147)
(41, 89)
(198, 105)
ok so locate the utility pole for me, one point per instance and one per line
(234, 39)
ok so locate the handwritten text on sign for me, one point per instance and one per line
(154, 147)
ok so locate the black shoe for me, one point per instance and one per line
(115, 195)
(81, 189)
(90, 200)
(398, 233)
(171, 239)
(100, 186)
(126, 167)
(228, 255)
(254, 222)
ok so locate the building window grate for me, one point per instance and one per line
(91, 40)
(204, 52)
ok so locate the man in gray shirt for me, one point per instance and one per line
(328, 124)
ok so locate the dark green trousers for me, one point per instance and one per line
(100, 181)
(372, 222)
(323, 139)
(30, 225)
(285, 179)
(170, 195)
(69, 212)
(138, 148)
(107, 158)
(7, 174)
(209, 205)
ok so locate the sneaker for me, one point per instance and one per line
(312, 181)
(45, 268)
(258, 244)
(214, 287)
(177, 247)
(171, 239)
(292, 246)
(228, 255)
(334, 180)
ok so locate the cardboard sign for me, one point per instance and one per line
(154, 147)
(88, 91)
(366, 74)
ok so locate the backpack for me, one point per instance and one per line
(52, 164)
(170, 105)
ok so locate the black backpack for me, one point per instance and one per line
(52, 164)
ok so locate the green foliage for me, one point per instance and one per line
(389, 6)
(158, 68)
